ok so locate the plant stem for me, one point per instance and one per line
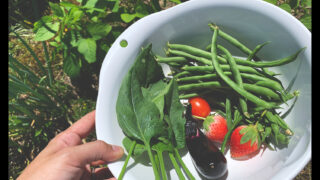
(156, 160)
(185, 168)
(154, 166)
(176, 166)
(127, 160)
(48, 61)
(162, 167)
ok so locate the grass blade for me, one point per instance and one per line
(32, 53)
(48, 61)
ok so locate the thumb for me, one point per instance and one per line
(95, 151)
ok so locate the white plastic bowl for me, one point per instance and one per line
(252, 22)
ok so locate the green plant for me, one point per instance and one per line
(85, 31)
(301, 9)
(38, 109)
(150, 114)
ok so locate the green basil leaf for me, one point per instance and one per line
(68, 5)
(141, 10)
(87, 47)
(138, 116)
(46, 31)
(99, 30)
(75, 14)
(39, 23)
(38, 132)
(127, 17)
(175, 111)
(306, 20)
(272, 1)
(56, 9)
(115, 8)
(72, 65)
(90, 3)
(286, 7)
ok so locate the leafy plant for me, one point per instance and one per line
(64, 29)
(150, 113)
(301, 9)
(84, 32)
(38, 108)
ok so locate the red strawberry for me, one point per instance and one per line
(244, 142)
(215, 127)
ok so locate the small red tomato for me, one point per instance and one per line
(199, 107)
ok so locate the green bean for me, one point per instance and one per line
(175, 59)
(231, 39)
(288, 131)
(174, 65)
(237, 118)
(263, 81)
(283, 139)
(276, 131)
(228, 113)
(272, 63)
(279, 121)
(237, 77)
(255, 50)
(181, 74)
(227, 80)
(199, 54)
(261, 90)
(259, 80)
(184, 54)
(201, 77)
(190, 95)
(202, 85)
(187, 96)
(261, 64)
(195, 52)
(242, 47)
(286, 97)
(224, 67)
(190, 50)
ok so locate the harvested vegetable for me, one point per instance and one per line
(243, 89)
(206, 157)
(245, 95)
(150, 114)
(199, 107)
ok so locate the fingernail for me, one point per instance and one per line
(116, 148)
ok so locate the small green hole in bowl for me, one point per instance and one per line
(123, 43)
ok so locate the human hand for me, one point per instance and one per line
(66, 158)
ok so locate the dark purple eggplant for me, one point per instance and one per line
(206, 157)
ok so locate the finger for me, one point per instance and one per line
(95, 151)
(73, 135)
(97, 163)
(103, 173)
(84, 125)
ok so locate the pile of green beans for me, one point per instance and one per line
(242, 87)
